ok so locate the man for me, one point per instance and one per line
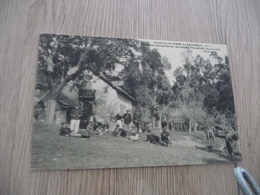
(65, 130)
(119, 132)
(122, 133)
(127, 120)
(165, 138)
(210, 137)
(153, 139)
(164, 125)
(75, 119)
(229, 148)
(137, 122)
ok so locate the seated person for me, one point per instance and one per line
(105, 127)
(122, 133)
(116, 130)
(153, 139)
(134, 137)
(165, 138)
(65, 130)
(119, 132)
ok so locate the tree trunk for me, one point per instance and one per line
(50, 110)
(195, 126)
(190, 125)
(160, 122)
(153, 122)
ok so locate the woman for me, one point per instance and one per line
(119, 120)
(112, 122)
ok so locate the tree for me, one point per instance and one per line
(64, 58)
(202, 86)
(145, 79)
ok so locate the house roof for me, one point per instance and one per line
(120, 90)
(63, 100)
(117, 85)
(66, 102)
(39, 95)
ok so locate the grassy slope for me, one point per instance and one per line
(51, 151)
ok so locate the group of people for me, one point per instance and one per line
(124, 121)
(73, 128)
(76, 115)
(66, 131)
(123, 126)
(116, 121)
(229, 138)
(162, 139)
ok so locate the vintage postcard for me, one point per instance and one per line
(113, 103)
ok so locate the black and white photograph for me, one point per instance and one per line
(113, 103)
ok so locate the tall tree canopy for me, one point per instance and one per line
(205, 84)
(144, 77)
(64, 58)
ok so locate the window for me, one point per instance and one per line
(122, 109)
(89, 85)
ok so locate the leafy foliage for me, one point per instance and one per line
(201, 87)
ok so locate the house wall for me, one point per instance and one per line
(123, 104)
(61, 116)
(113, 101)
(107, 99)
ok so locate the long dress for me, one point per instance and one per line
(119, 121)
(112, 122)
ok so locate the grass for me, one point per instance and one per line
(50, 151)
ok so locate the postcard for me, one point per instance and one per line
(113, 103)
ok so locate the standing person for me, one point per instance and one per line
(136, 122)
(118, 120)
(229, 148)
(75, 119)
(112, 122)
(210, 137)
(91, 122)
(127, 120)
(164, 125)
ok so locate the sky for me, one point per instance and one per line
(173, 51)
